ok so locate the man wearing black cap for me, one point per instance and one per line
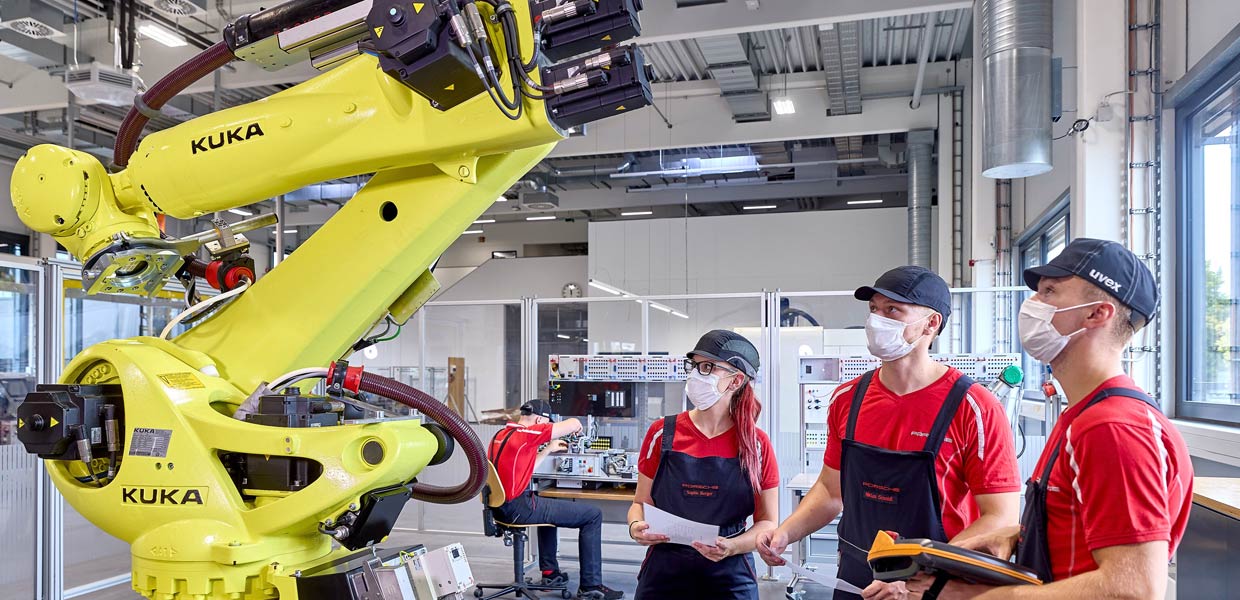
(915, 447)
(514, 452)
(1107, 504)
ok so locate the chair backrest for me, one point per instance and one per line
(493, 494)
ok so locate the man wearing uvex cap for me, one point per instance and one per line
(1108, 501)
(915, 447)
(515, 452)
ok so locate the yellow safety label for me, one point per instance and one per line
(451, 88)
(379, 31)
(55, 422)
(20, 423)
(417, 7)
(182, 381)
(607, 38)
(621, 107)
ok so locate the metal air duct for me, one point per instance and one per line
(920, 194)
(1016, 82)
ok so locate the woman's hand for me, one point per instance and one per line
(722, 549)
(637, 531)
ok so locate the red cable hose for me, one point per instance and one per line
(164, 90)
(457, 428)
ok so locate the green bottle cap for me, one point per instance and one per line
(1012, 375)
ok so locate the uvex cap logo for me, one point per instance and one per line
(1105, 280)
(228, 137)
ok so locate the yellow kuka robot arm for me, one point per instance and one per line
(202, 452)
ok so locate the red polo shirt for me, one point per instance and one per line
(1123, 476)
(515, 464)
(977, 456)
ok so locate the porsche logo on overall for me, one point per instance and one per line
(228, 137)
(163, 496)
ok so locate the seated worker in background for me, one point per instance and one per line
(514, 452)
(915, 447)
(1108, 502)
(710, 464)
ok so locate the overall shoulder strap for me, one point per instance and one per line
(1099, 397)
(948, 412)
(495, 455)
(863, 385)
(669, 432)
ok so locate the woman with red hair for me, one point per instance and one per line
(710, 464)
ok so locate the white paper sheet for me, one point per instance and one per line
(824, 580)
(679, 530)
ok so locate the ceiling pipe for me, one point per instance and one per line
(921, 173)
(923, 58)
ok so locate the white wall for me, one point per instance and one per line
(8, 216)
(473, 250)
(514, 278)
(827, 250)
(1208, 21)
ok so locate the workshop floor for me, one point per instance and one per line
(492, 562)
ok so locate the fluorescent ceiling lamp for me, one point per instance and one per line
(783, 106)
(603, 286)
(562, 336)
(657, 306)
(548, 218)
(676, 313)
(290, 231)
(238, 211)
(471, 232)
(501, 199)
(855, 202)
(640, 213)
(161, 35)
(483, 221)
(760, 207)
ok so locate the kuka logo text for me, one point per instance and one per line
(225, 138)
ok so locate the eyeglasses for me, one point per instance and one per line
(706, 367)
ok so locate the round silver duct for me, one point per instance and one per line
(1016, 82)
(921, 175)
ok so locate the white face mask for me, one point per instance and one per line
(885, 337)
(1038, 335)
(702, 390)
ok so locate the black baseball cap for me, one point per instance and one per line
(729, 347)
(536, 407)
(1111, 267)
(912, 285)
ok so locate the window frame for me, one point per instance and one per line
(1189, 212)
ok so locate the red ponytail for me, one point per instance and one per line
(745, 410)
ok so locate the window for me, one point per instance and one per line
(1044, 240)
(1208, 148)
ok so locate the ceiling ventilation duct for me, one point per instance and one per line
(727, 59)
(100, 83)
(1016, 84)
(178, 8)
(28, 31)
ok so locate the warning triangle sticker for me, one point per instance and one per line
(621, 107)
(451, 88)
(607, 38)
(20, 423)
(606, 67)
(55, 422)
(417, 7)
(379, 31)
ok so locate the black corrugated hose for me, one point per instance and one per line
(457, 428)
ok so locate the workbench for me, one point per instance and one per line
(1205, 563)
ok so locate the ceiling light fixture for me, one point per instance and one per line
(501, 199)
(548, 218)
(238, 211)
(603, 286)
(164, 36)
(483, 221)
(760, 207)
(562, 336)
(783, 106)
(639, 213)
(290, 231)
(471, 232)
(855, 202)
